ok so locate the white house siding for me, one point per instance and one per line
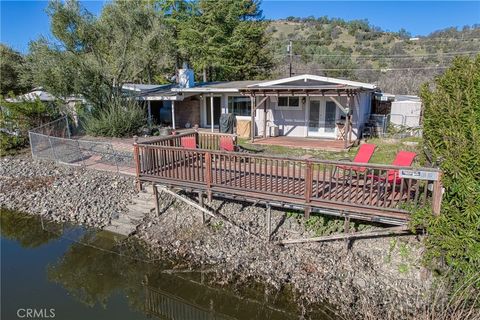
(289, 122)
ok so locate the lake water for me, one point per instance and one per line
(66, 272)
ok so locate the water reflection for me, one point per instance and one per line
(97, 265)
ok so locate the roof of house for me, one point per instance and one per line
(37, 93)
(305, 81)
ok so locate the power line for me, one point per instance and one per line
(375, 69)
(385, 56)
(420, 40)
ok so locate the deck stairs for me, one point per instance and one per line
(126, 223)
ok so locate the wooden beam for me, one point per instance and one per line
(186, 200)
(339, 105)
(362, 234)
(259, 104)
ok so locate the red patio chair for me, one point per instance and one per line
(226, 144)
(188, 142)
(363, 155)
(402, 159)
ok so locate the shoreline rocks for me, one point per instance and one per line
(372, 276)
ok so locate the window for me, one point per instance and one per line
(289, 102)
(239, 106)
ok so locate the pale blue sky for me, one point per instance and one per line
(23, 21)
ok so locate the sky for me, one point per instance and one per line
(24, 21)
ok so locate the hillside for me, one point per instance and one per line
(356, 50)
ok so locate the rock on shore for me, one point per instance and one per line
(63, 193)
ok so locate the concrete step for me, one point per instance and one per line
(144, 201)
(145, 195)
(136, 214)
(140, 208)
(121, 228)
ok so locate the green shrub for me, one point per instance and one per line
(122, 117)
(452, 136)
(18, 118)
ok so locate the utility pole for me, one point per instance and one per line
(290, 55)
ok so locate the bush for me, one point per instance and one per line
(452, 136)
(122, 117)
(16, 118)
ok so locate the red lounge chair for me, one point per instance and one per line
(403, 159)
(226, 144)
(188, 142)
(363, 155)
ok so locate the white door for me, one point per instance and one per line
(322, 118)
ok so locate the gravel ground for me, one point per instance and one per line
(63, 193)
(371, 278)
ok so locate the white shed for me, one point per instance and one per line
(406, 111)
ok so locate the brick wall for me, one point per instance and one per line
(187, 111)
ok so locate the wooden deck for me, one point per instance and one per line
(318, 185)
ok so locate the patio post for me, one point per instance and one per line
(265, 119)
(252, 129)
(350, 116)
(173, 114)
(211, 112)
(149, 110)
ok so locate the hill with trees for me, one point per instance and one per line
(396, 61)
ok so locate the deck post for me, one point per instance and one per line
(155, 194)
(211, 113)
(437, 194)
(200, 202)
(269, 221)
(136, 155)
(308, 187)
(252, 129)
(208, 174)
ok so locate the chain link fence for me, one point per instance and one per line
(53, 141)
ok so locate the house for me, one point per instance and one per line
(299, 106)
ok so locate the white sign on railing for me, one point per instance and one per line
(419, 174)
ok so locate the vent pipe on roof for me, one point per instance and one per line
(186, 77)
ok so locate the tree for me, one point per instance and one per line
(11, 63)
(452, 135)
(94, 56)
(229, 41)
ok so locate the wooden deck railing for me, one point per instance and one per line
(378, 191)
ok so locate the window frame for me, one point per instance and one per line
(231, 98)
(289, 106)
